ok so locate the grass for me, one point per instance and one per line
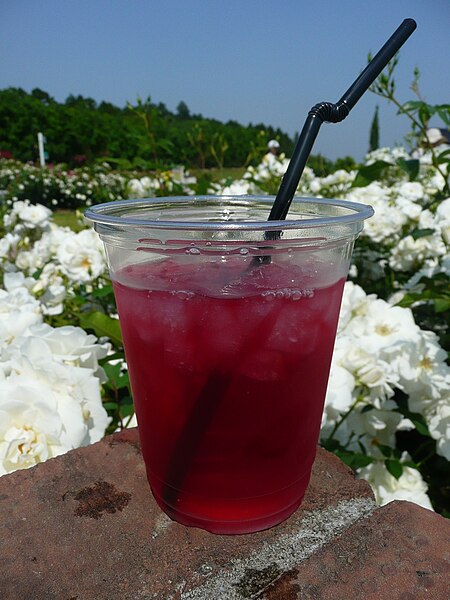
(217, 174)
(69, 218)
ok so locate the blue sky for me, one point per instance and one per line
(258, 61)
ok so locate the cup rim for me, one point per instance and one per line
(103, 214)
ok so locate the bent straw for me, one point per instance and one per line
(208, 401)
(333, 113)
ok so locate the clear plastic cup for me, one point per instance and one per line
(228, 324)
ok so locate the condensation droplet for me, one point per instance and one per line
(268, 296)
(183, 294)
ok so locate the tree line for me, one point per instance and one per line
(144, 135)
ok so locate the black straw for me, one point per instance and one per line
(332, 113)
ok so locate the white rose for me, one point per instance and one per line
(439, 426)
(389, 155)
(52, 300)
(375, 427)
(422, 368)
(339, 398)
(30, 426)
(384, 328)
(410, 486)
(237, 188)
(15, 280)
(71, 345)
(443, 219)
(411, 209)
(75, 389)
(386, 223)
(34, 215)
(367, 368)
(18, 311)
(411, 190)
(355, 302)
(375, 192)
(409, 253)
(81, 256)
(135, 189)
(8, 245)
(443, 210)
(315, 186)
(427, 220)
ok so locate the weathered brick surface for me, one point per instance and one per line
(400, 552)
(84, 526)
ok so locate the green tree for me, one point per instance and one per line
(218, 149)
(154, 144)
(145, 135)
(374, 138)
(183, 111)
(198, 139)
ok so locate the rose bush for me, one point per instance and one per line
(57, 188)
(387, 411)
(50, 380)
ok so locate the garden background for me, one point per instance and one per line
(63, 377)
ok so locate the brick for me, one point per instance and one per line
(84, 526)
(400, 552)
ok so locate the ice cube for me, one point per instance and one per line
(264, 365)
(295, 331)
(220, 338)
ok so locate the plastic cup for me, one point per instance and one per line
(228, 358)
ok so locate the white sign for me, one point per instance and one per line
(41, 142)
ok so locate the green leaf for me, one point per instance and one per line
(409, 299)
(385, 450)
(111, 357)
(425, 113)
(37, 274)
(410, 463)
(419, 233)
(370, 173)
(397, 453)
(411, 167)
(102, 325)
(110, 405)
(354, 460)
(443, 110)
(416, 418)
(441, 305)
(444, 156)
(112, 371)
(421, 426)
(394, 467)
(330, 445)
(412, 105)
(126, 410)
(116, 378)
(106, 290)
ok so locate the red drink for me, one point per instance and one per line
(229, 371)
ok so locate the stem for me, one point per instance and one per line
(426, 459)
(422, 447)
(339, 423)
(390, 98)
